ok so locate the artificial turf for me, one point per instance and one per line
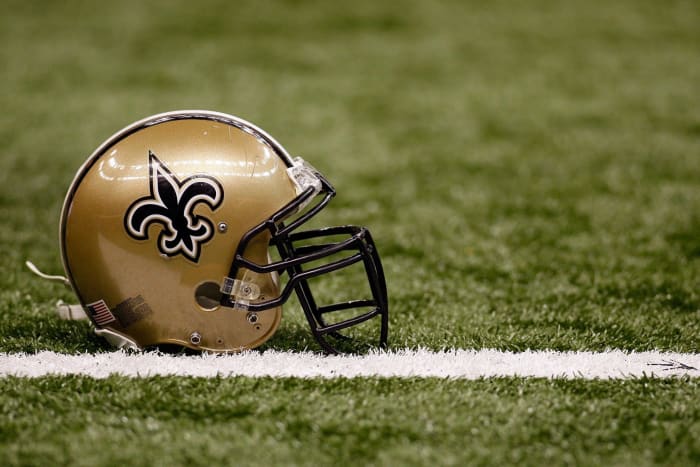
(530, 172)
(266, 421)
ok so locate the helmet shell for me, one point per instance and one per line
(159, 286)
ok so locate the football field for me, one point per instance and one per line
(530, 172)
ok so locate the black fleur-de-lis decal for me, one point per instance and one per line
(171, 204)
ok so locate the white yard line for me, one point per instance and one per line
(462, 364)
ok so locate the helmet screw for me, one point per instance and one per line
(195, 338)
(223, 227)
(252, 318)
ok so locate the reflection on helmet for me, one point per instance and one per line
(185, 228)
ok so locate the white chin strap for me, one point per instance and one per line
(70, 312)
(75, 312)
(64, 280)
(117, 340)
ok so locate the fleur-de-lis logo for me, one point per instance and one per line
(171, 204)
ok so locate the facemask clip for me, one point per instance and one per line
(242, 292)
(304, 175)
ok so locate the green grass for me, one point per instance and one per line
(529, 170)
(242, 421)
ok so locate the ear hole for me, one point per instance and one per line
(208, 296)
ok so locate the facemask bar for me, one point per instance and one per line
(359, 240)
(294, 257)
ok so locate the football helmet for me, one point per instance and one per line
(186, 228)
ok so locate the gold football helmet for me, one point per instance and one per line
(169, 230)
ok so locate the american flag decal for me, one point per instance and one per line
(99, 311)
